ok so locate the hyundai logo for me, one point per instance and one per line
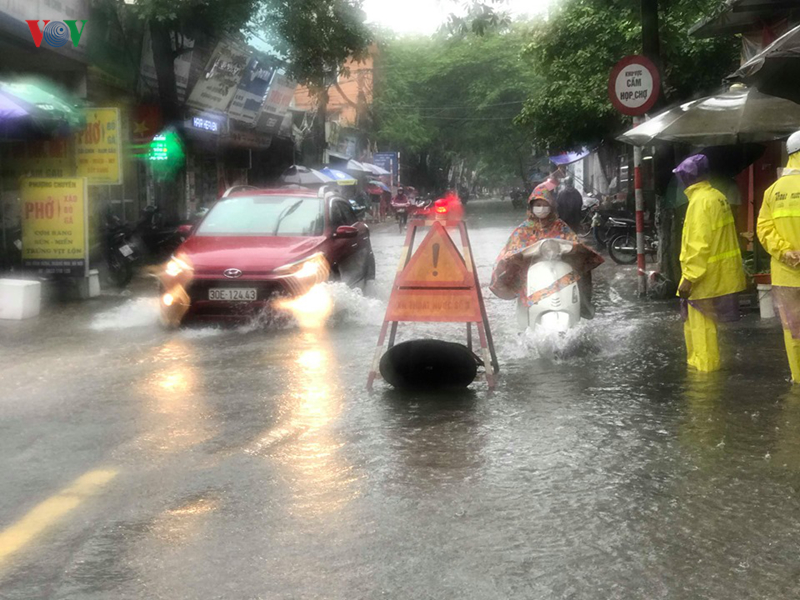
(232, 273)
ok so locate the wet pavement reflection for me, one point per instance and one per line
(253, 463)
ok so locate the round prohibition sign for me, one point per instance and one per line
(634, 85)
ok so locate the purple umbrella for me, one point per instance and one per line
(10, 108)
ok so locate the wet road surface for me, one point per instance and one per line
(249, 462)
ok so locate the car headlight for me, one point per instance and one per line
(176, 266)
(315, 266)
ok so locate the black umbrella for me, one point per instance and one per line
(776, 69)
(729, 161)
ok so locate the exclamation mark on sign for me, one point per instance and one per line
(435, 259)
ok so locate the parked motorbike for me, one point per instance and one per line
(622, 249)
(421, 207)
(591, 205)
(606, 225)
(558, 310)
(156, 239)
(120, 250)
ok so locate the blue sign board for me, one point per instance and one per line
(389, 161)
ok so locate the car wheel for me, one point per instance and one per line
(370, 270)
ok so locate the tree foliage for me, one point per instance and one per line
(480, 18)
(576, 48)
(446, 100)
(315, 37)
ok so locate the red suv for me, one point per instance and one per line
(258, 244)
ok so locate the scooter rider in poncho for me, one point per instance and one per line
(510, 271)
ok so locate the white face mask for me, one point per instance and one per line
(541, 212)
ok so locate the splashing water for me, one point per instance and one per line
(333, 303)
(325, 304)
(550, 344)
(139, 312)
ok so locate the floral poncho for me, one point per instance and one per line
(509, 278)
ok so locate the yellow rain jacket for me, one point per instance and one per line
(710, 254)
(779, 223)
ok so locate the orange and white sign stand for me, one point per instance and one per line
(437, 284)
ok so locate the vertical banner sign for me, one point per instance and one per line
(249, 97)
(218, 84)
(54, 226)
(389, 161)
(97, 147)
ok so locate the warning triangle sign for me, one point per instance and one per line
(437, 263)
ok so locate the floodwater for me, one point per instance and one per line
(250, 462)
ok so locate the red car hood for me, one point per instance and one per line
(251, 255)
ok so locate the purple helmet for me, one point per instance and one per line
(692, 170)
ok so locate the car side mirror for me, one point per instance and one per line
(346, 231)
(185, 231)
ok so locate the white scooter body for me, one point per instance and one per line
(561, 310)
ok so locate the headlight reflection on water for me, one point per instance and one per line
(174, 413)
(306, 443)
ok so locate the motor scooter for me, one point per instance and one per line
(553, 295)
(401, 210)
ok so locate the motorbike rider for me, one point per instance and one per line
(711, 264)
(569, 204)
(510, 272)
(400, 201)
(779, 232)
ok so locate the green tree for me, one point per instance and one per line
(576, 48)
(316, 38)
(171, 21)
(313, 37)
(450, 101)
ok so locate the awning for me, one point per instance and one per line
(775, 70)
(739, 115)
(742, 16)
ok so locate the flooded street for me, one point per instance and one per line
(249, 462)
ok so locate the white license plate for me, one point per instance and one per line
(233, 294)
(125, 250)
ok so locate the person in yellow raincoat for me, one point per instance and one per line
(779, 232)
(711, 264)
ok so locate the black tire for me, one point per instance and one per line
(600, 236)
(585, 226)
(370, 275)
(620, 249)
(120, 270)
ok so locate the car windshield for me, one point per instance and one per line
(264, 215)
